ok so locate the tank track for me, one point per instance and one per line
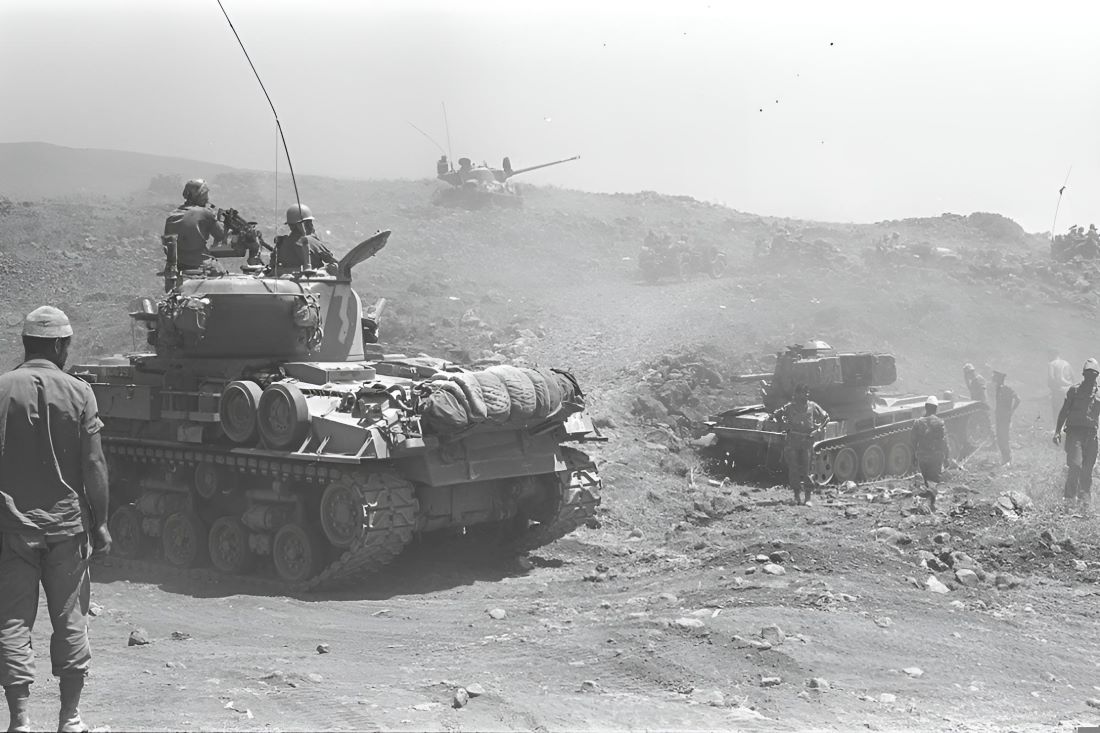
(580, 485)
(392, 516)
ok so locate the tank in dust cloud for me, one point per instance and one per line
(479, 187)
(266, 436)
(869, 432)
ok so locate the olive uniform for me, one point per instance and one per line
(930, 447)
(1080, 415)
(802, 420)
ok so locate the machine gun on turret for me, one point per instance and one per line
(243, 238)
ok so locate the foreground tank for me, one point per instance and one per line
(869, 433)
(264, 436)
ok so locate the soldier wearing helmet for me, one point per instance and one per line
(1005, 402)
(53, 515)
(1080, 415)
(801, 418)
(302, 247)
(194, 223)
(930, 446)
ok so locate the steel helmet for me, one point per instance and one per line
(802, 390)
(1091, 365)
(932, 401)
(195, 189)
(968, 367)
(47, 322)
(298, 213)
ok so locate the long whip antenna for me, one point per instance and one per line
(432, 139)
(271, 104)
(447, 127)
(1059, 204)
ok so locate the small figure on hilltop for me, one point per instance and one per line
(1080, 416)
(801, 418)
(1005, 402)
(1059, 379)
(291, 249)
(188, 229)
(930, 447)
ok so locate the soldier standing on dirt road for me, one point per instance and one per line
(801, 418)
(1059, 379)
(1005, 402)
(53, 515)
(930, 446)
(1080, 416)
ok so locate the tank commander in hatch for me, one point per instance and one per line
(291, 249)
(193, 223)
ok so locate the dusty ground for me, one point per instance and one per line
(654, 620)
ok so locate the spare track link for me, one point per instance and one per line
(580, 487)
(390, 508)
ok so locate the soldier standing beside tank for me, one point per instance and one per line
(1005, 402)
(1080, 416)
(801, 418)
(53, 515)
(192, 223)
(1059, 379)
(930, 446)
(291, 249)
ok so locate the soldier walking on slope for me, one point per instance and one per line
(930, 447)
(1005, 402)
(1080, 415)
(801, 418)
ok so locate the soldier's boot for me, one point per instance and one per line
(808, 493)
(797, 497)
(19, 700)
(69, 720)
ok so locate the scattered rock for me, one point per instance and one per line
(179, 636)
(1005, 581)
(888, 698)
(424, 706)
(95, 609)
(605, 604)
(1093, 702)
(883, 621)
(1080, 565)
(762, 559)
(967, 577)
(770, 681)
(590, 686)
(461, 697)
(314, 677)
(780, 556)
(666, 596)
(686, 622)
(773, 569)
(941, 538)
(914, 671)
(1013, 504)
(498, 614)
(773, 635)
(933, 584)
(891, 535)
(322, 649)
(711, 697)
(635, 533)
(138, 637)
(475, 690)
(817, 683)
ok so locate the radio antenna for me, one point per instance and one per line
(447, 127)
(271, 104)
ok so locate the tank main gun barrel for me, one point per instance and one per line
(507, 171)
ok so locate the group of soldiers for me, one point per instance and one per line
(195, 223)
(1076, 243)
(1075, 407)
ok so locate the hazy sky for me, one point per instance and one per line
(829, 110)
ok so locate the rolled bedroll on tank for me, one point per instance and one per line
(869, 435)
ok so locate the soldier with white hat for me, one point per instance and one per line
(1080, 416)
(53, 514)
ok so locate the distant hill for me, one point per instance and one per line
(42, 170)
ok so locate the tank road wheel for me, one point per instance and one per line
(873, 462)
(298, 552)
(899, 461)
(845, 465)
(184, 539)
(211, 480)
(342, 513)
(283, 416)
(228, 545)
(237, 411)
(822, 470)
(128, 539)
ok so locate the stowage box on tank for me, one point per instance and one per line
(263, 435)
